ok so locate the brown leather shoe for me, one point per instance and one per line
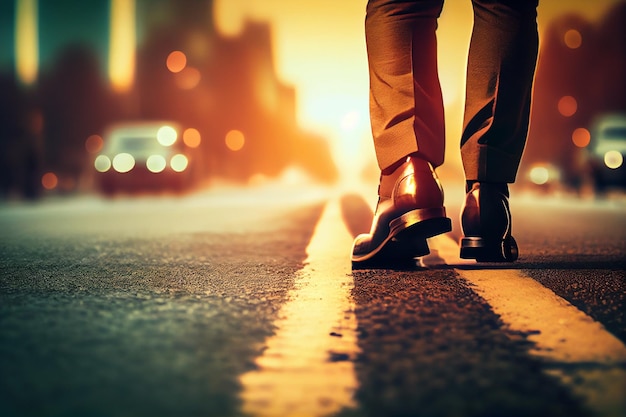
(486, 224)
(409, 210)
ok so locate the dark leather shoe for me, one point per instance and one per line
(409, 210)
(486, 223)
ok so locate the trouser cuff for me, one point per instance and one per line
(489, 164)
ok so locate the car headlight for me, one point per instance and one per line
(123, 162)
(156, 163)
(179, 162)
(167, 135)
(102, 163)
(613, 159)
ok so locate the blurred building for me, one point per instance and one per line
(185, 72)
(224, 85)
(580, 77)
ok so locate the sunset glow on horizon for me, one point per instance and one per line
(318, 48)
(321, 51)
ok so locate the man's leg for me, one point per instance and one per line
(406, 107)
(501, 65)
(406, 111)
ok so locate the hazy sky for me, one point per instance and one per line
(320, 48)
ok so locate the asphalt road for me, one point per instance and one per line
(221, 304)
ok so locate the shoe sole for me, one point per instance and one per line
(407, 237)
(489, 251)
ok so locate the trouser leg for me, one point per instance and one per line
(406, 106)
(501, 65)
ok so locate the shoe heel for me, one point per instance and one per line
(424, 223)
(478, 248)
(410, 242)
(399, 253)
(405, 246)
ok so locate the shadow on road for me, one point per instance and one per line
(357, 214)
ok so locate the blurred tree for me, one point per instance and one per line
(75, 103)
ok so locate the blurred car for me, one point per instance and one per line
(607, 151)
(143, 156)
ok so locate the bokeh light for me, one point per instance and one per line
(94, 143)
(123, 162)
(581, 137)
(179, 162)
(167, 135)
(176, 61)
(49, 181)
(192, 137)
(188, 78)
(539, 175)
(573, 39)
(102, 163)
(567, 106)
(235, 140)
(156, 163)
(613, 159)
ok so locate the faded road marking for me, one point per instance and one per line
(307, 368)
(576, 348)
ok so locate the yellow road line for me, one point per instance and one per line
(299, 374)
(579, 350)
(307, 368)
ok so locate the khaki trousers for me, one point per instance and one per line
(406, 106)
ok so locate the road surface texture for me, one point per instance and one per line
(235, 302)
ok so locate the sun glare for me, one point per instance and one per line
(329, 67)
(350, 121)
(122, 44)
